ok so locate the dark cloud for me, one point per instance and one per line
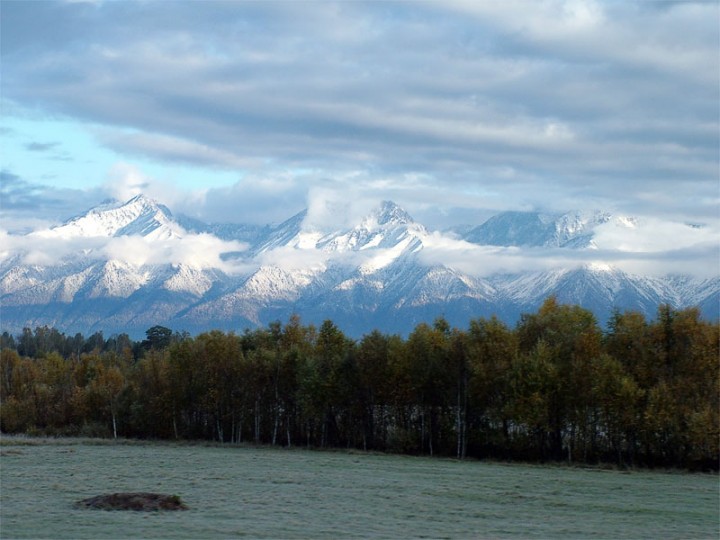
(26, 205)
(41, 147)
(16, 193)
(531, 104)
(7, 178)
(258, 200)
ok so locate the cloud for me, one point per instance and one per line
(27, 206)
(255, 199)
(41, 147)
(641, 245)
(651, 235)
(202, 251)
(173, 149)
(495, 105)
(485, 261)
(700, 259)
(195, 250)
(336, 205)
(125, 181)
(293, 258)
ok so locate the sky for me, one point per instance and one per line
(245, 111)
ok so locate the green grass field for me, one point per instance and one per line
(251, 492)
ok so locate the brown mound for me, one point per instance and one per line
(146, 502)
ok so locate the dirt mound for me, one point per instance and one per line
(147, 502)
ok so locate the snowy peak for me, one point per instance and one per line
(188, 279)
(513, 229)
(535, 229)
(386, 226)
(288, 233)
(390, 213)
(117, 279)
(118, 272)
(576, 229)
(138, 216)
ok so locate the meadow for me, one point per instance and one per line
(245, 491)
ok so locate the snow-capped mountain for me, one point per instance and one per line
(138, 216)
(599, 287)
(535, 229)
(124, 267)
(225, 231)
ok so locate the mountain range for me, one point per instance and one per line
(127, 266)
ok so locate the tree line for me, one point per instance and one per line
(555, 387)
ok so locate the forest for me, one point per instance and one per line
(556, 387)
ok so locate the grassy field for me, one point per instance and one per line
(251, 492)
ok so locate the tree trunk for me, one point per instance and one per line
(257, 421)
(323, 432)
(276, 424)
(218, 426)
(430, 445)
(287, 427)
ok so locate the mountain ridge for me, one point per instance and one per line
(132, 265)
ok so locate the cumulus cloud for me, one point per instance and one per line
(337, 205)
(651, 235)
(126, 181)
(196, 250)
(640, 245)
(485, 261)
(294, 258)
(700, 259)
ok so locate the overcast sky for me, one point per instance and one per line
(246, 111)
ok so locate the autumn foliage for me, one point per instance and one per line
(556, 387)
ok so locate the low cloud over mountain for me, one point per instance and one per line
(125, 266)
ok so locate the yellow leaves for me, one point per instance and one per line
(16, 416)
(704, 432)
(554, 387)
(109, 382)
(661, 411)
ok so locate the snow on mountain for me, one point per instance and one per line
(16, 277)
(513, 229)
(701, 292)
(600, 288)
(535, 229)
(691, 290)
(188, 279)
(117, 279)
(251, 234)
(32, 285)
(288, 233)
(309, 267)
(386, 272)
(274, 283)
(383, 228)
(138, 216)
